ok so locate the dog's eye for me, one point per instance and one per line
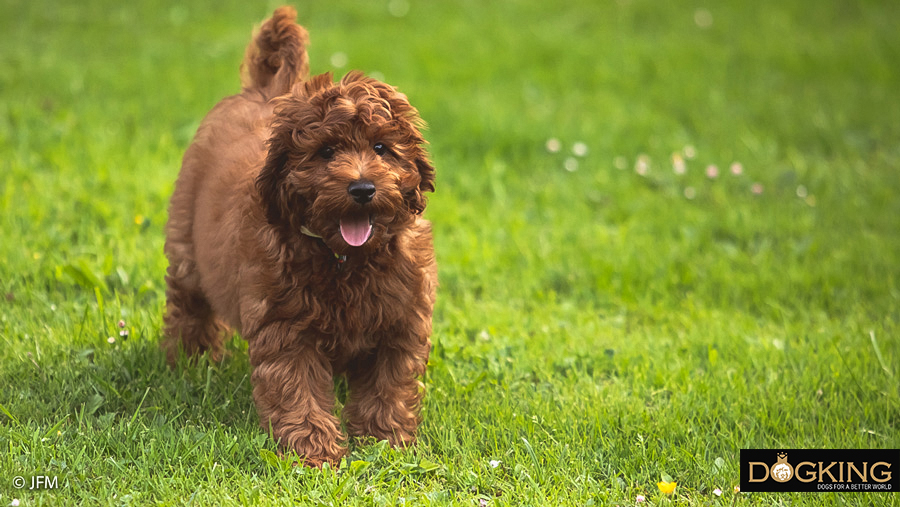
(380, 149)
(326, 152)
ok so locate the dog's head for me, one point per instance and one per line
(345, 162)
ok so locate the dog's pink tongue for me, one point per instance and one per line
(356, 230)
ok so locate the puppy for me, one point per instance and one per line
(296, 220)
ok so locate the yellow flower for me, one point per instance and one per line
(138, 219)
(667, 487)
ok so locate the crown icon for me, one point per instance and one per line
(782, 457)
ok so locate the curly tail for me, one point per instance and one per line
(276, 56)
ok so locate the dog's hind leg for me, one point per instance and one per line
(190, 323)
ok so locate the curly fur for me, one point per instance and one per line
(254, 244)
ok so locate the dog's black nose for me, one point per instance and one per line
(362, 191)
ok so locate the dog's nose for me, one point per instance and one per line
(362, 191)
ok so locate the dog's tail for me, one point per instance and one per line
(276, 56)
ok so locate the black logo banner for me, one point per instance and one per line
(820, 470)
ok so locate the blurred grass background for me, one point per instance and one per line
(617, 305)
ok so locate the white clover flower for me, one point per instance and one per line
(553, 145)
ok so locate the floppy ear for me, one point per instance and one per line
(416, 198)
(290, 111)
(426, 171)
(269, 181)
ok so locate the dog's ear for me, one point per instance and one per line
(426, 171)
(269, 182)
(415, 197)
(290, 111)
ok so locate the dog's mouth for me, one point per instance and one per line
(356, 229)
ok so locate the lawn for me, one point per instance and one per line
(666, 231)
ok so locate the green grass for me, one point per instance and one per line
(596, 329)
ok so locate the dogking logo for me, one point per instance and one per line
(820, 470)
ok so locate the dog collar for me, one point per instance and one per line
(341, 259)
(311, 234)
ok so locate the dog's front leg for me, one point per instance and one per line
(385, 392)
(293, 390)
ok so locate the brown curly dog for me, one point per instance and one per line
(296, 220)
